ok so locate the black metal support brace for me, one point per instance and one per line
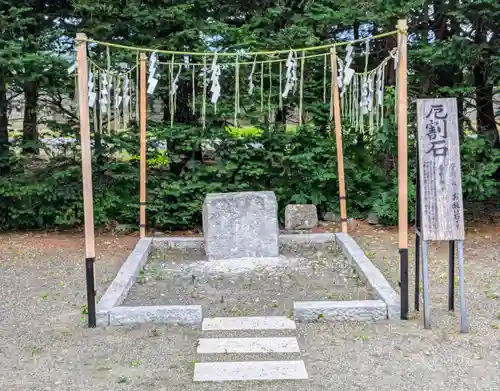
(403, 258)
(451, 277)
(417, 238)
(417, 271)
(91, 294)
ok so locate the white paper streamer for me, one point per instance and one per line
(103, 101)
(118, 98)
(340, 77)
(291, 73)
(369, 98)
(215, 87)
(251, 85)
(152, 85)
(364, 96)
(348, 71)
(92, 96)
(152, 81)
(91, 93)
(152, 63)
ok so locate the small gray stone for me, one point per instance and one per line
(372, 218)
(331, 216)
(300, 216)
(239, 225)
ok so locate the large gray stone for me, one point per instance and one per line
(299, 216)
(238, 225)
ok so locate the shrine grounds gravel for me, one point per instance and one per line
(45, 345)
(241, 288)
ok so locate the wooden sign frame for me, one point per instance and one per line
(440, 214)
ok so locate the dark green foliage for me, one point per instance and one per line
(454, 50)
(300, 167)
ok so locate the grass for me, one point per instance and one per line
(135, 363)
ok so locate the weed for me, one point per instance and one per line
(122, 380)
(135, 363)
(141, 278)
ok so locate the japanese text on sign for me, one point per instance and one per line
(439, 166)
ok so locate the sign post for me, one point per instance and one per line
(440, 204)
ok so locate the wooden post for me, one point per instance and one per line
(403, 163)
(88, 208)
(142, 119)
(338, 138)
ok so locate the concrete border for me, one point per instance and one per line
(199, 242)
(109, 309)
(163, 314)
(370, 274)
(307, 239)
(119, 288)
(111, 313)
(180, 241)
(340, 311)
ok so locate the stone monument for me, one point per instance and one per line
(239, 225)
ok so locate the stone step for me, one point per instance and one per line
(248, 323)
(248, 345)
(249, 370)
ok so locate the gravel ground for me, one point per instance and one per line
(227, 288)
(44, 344)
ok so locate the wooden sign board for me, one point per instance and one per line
(442, 212)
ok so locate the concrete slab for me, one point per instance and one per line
(249, 370)
(248, 345)
(249, 323)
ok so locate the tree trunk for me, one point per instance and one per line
(30, 131)
(4, 120)
(486, 123)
